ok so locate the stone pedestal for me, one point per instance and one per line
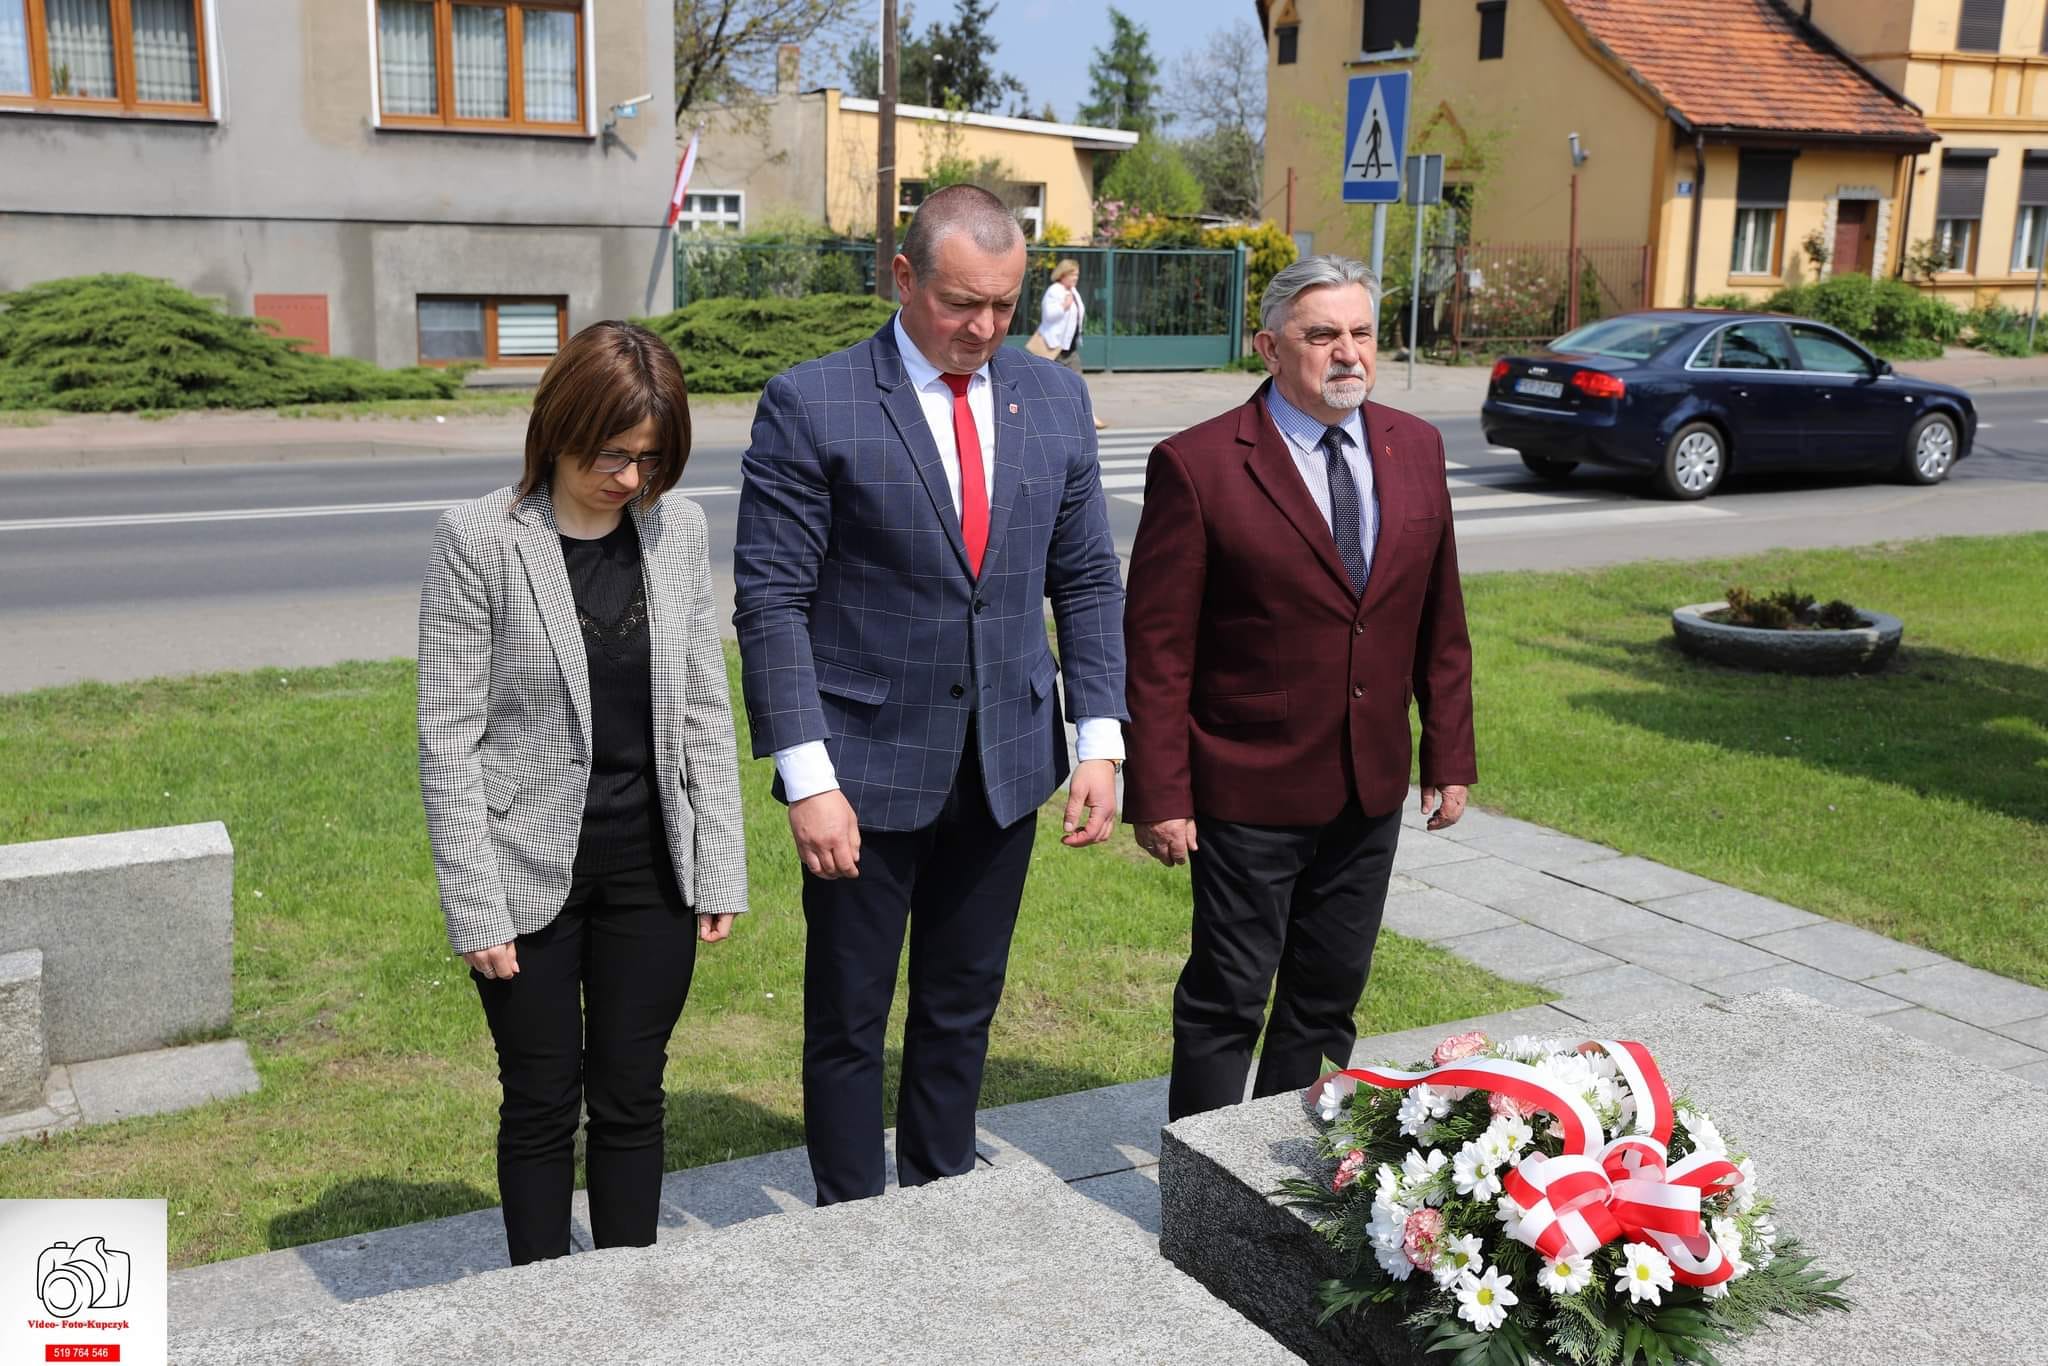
(24, 1056)
(1895, 1162)
(136, 931)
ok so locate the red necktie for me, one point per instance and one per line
(973, 484)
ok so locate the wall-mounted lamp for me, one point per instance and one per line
(1579, 153)
(630, 109)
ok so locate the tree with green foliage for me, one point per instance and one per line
(1125, 74)
(948, 65)
(1153, 178)
(126, 343)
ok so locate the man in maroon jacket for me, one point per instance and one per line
(1293, 583)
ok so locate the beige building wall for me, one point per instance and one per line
(1994, 100)
(813, 155)
(1821, 181)
(1508, 108)
(1050, 159)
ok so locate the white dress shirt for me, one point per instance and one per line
(1305, 443)
(806, 769)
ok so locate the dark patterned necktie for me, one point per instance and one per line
(1346, 512)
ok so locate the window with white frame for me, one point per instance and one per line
(1959, 207)
(1756, 242)
(136, 57)
(711, 209)
(1763, 185)
(2030, 233)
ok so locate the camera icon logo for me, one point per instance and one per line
(73, 1277)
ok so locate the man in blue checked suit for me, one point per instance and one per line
(907, 508)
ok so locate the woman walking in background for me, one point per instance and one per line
(1059, 320)
(578, 769)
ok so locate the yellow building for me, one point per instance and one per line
(1718, 134)
(812, 153)
(1979, 68)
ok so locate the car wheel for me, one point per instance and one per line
(1545, 467)
(1930, 450)
(1694, 461)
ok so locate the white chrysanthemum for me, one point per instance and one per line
(1529, 1048)
(1418, 1172)
(1483, 1300)
(1494, 1144)
(1766, 1234)
(1645, 1273)
(1389, 1222)
(1393, 1261)
(1604, 1066)
(1474, 1175)
(1461, 1256)
(1715, 1292)
(1329, 1102)
(1745, 1194)
(1728, 1235)
(1515, 1134)
(1421, 1105)
(1507, 1211)
(1706, 1137)
(1566, 1277)
(1386, 1183)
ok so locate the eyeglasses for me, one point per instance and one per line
(610, 463)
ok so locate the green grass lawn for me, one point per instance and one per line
(379, 1095)
(1913, 802)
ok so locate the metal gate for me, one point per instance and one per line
(1148, 308)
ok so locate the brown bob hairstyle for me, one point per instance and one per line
(611, 377)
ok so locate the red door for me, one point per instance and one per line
(1855, 241)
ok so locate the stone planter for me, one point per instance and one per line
(1861, 650)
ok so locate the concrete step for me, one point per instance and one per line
(1006, 1265)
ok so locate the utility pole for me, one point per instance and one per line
(1290, 201)
(1571, 308)
(1379, 243)
(885, 161)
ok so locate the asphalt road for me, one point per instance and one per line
(129, 573)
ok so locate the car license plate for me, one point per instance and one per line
(1541, 388)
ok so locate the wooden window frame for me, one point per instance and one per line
(1774, 250)
(43, 100)
(491, 359)
(515, 73)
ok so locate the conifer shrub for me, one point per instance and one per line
(127, 343)
(735, 346)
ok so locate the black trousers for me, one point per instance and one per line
(586, 1022)
(1304, 902)
(955, 886)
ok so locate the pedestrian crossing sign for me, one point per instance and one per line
(1375, 123)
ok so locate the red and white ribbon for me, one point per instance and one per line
(1596, 1192)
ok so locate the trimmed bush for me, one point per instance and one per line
(735, 346)
(1889, 316)
(126, 343)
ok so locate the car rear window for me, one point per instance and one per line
(1627, 338)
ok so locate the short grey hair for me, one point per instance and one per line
(1313, 272)
(958, 208)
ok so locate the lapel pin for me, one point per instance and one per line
(1013, 407)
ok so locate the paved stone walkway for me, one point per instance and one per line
(1612, 935)
(1606, 932)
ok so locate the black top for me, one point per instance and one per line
(622, 827)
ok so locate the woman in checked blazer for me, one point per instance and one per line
(578, 769)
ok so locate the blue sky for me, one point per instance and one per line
(1048, 44)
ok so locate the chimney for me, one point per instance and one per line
(787, 63)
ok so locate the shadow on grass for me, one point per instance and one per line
(1935, 722)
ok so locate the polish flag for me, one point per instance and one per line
(675, 201)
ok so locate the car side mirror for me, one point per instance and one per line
(1884, 367)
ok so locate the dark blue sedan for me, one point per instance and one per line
(1689, 396)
